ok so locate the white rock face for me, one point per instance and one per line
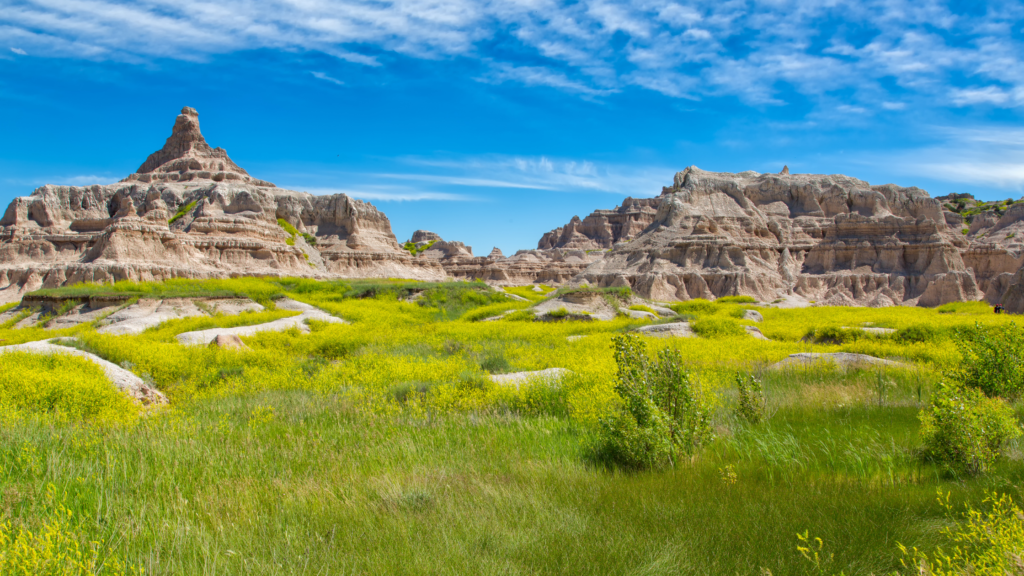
(204, 337)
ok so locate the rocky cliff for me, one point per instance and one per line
(190, 212)
(831, 239)
(602, 229)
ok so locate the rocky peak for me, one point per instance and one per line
(496, 253)
(424, 236)
(785, 170)
(186, 156)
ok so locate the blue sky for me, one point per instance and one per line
(494, 122)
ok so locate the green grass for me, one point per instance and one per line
(380, 445)
(736, 300)
(182, 211)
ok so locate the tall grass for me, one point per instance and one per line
(382, 446)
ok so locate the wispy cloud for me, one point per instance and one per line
(324, 76)
(991, 157)
(544, 173)
(693, 49)
(19, 51)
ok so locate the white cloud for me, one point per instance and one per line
(693, 48)
(544, 173)
(324, 76)
(986, 95)
(19, 51)
(981, 157)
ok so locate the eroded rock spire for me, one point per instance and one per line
(187, 156)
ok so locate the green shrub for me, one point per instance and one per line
(964, 430)
(985, 542)
(736, 312)
(495, 362)
(992, 359)
(915, 334)
(712, 327)
(665, 415)
(697, 307)
(182, 211)
(310, 239)
(753, 405)
(965, 231)
(833, 335)
(642, 308)
(291, 230)
(736, 300)
(560, 313)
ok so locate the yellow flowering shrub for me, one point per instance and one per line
(61, 385)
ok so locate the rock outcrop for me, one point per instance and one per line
(190, 212)
(832, 239)
(603, 229)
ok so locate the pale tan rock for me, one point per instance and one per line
(841, 359)
(517, 379)
(670, 330)
(66, 234)
(831, 239)
(228, 342)
(602, 229)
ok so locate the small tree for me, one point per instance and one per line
(665, 414)
(753, 405)
(992, 359)
(964, 430)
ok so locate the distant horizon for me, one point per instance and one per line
(493, 124)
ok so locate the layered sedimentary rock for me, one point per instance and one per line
(602, 229)
(225, 223)
(831, 239)
(551, 266)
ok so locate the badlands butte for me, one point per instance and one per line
(191, 212)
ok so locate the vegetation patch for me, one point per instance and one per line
(182, 212)
(62, 386)
(717, 327)
(736, 300)
(417, 250)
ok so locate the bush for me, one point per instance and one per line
(62, 385)
(697, 307)
(965, 431)
(560, 313)
(753, 405)
(736, 300)
(833, 335)
(181, 212)
(717, 327)
(665, 415)
(287, 227)
(915, 334)
(991, 359)
(986, 541)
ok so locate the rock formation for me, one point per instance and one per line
(190, 212)
(602, 229)
(832, 239)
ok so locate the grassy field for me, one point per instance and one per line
(380, 446)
